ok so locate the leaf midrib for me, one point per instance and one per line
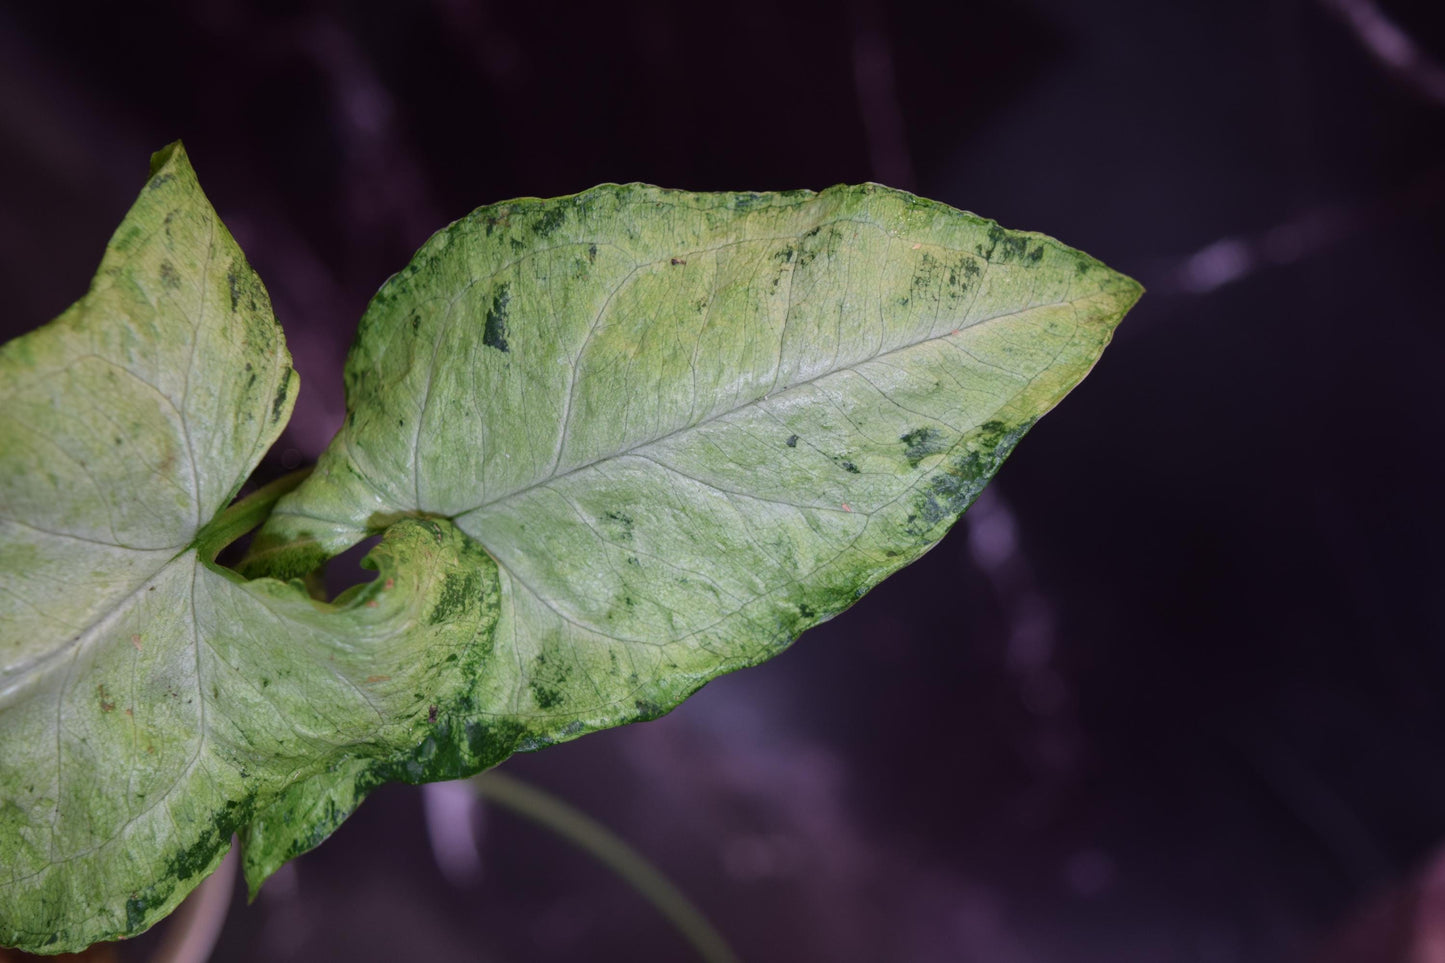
(635, 451)
(635, 448)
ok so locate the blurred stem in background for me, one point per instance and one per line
(191, 935)
(586, 833)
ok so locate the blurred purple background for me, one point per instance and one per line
(1170, 693)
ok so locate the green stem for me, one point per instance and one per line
(244, 515)
(586, 833)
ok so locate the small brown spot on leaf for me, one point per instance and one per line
(373, 679)
(135, 641)
(371, 603)
(390, 583)
(846, 508)
(106, 703)
(679, 260)
(431, 714)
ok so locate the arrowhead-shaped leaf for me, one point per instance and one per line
(619, 443)
(689, 426)
(151, 702)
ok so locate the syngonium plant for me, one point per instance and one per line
(616, 444)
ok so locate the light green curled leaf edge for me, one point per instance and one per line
(465, 732)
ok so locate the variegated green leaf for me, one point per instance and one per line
(151, 702)
(689, 426)
(619, 443)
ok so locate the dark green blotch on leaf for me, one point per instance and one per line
(922, 442)
(551, 219)
(548, 681)
(494, 334)
(949, 492)
(278, 404)
(458, 591)
(622, 523)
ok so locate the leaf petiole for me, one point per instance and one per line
(242, 516)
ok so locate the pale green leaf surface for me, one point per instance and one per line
(151, 702)
(689, 426)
